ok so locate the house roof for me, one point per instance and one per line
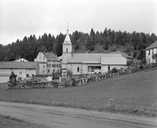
(18, 65)
(153, 45)
(21, 60)
(50, 56)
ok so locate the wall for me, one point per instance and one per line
(42, 68)
(149, 54)
(83, 68)
(5, 73)
(40, 57)
(53, 66)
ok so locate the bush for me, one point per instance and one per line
(114, 70)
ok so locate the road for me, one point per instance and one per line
(61, 117)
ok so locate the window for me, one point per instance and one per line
(48, 71)
(78, 69)
(53, 65)
(108, 67)
(27, 75)
(49, 65)
(66, 50)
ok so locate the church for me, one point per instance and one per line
(87, 63)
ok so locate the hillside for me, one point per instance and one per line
(108, 40)
(134, 93)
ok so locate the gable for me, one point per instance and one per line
(40, 57)
(153, 45)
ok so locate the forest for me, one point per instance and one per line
(108, 40)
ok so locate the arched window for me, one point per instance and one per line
(66, 50)
(108, 67)
(78, 69)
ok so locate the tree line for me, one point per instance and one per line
(133, 44)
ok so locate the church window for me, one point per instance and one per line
(27, 75)
(108, 67)
(78, 69)
(66, 50)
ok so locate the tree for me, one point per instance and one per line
(59, 42)
(132, 43)
(155, 57)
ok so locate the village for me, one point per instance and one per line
(70, 69)
(78, 64)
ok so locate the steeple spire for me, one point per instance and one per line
(67, 45)
(67, 29)
(67, 38)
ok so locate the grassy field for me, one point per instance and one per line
(134, 93)
(8, 122)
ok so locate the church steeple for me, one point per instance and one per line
(67, 38)
(67, 45)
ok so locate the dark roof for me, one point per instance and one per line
(18, 65)
(153, 45)
(50, 56)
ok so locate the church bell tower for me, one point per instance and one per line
(67, 45)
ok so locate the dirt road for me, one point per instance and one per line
(60, 117)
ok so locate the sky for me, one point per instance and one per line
(19, 18)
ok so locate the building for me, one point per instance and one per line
(21, 69)
(21, 60)
(86, 63)
(47, 63)
(151, 53)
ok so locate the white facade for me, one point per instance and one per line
(40, 58)
(21, 74)
(21, 69)
(86, 63)
(149, 55)
(47, 63)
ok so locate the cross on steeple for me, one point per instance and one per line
(67, 29)
(67, 45)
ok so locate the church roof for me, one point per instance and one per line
(94, 57)
(153, 45)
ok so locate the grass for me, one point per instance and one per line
(9, 122)
(135, 93)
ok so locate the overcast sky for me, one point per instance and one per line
(24, 17)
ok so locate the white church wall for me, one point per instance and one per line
(76, 69)
(85, 68)
(67, 48)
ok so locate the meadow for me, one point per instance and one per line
(9, 122)
(131, 94)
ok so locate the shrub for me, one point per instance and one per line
(114, 70)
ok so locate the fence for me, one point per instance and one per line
(97, 77)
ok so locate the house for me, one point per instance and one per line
(47, 63)
(21, 60)
(86, 63)
(151, 53)
(21, 69)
